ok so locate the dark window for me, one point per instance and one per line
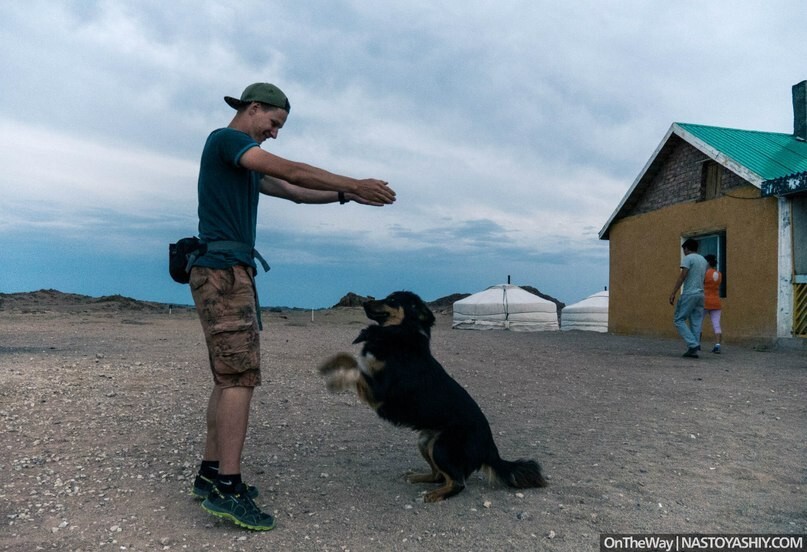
(710, 180)
(715, 244)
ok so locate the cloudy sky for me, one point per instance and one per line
(510, 131)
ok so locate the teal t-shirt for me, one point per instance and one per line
(228, 197)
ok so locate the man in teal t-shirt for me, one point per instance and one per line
(228, 197)
(688, 317)
(234, 173)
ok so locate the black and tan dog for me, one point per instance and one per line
(397, 376)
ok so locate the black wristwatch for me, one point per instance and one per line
(342, 198)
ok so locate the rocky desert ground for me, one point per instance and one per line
(102, 405)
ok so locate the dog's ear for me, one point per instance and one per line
(425, 315)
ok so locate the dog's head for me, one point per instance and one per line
(401, 308)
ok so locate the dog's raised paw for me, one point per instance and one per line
(341, 372)
(339, 361)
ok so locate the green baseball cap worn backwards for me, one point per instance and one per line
(262, 92)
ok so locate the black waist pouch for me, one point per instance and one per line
(181, 256)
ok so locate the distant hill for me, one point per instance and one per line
(559, 304)
(51, 300)
(352, 300)
(448, 301)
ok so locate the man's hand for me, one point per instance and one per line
(371, 191)
(678, 283)
(361, 201)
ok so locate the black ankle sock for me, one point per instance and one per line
(228, 483)
(209, 469)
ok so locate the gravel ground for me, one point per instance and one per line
(102, 406)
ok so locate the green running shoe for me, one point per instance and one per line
(202, 487)
(238, 508)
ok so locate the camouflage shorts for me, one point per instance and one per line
(225, 303)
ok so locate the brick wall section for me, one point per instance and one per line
(680, 179)
(732, 180)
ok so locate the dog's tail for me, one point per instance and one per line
(520, 474)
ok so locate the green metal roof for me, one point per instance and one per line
(768, 154)
(754, 155)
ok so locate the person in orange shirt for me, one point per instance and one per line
(711, 303)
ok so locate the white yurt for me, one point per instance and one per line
(505, 307)
(590, 314)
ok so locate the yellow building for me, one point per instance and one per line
(743, 195)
